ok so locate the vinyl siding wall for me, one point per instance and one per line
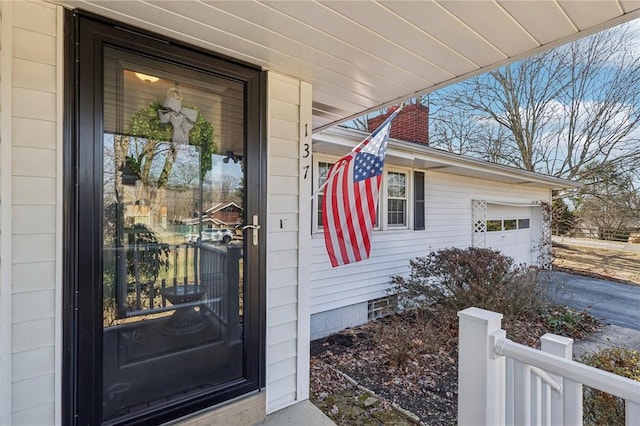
(30, 228)
(283, 242)
(448, 224)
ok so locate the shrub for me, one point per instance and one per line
(460, 278)
(406, 337)
(602, 408)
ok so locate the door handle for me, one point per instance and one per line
(255, 226)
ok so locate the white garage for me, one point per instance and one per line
(511, 230)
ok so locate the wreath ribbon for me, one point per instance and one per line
(182, 119)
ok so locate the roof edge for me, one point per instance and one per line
(352, 137)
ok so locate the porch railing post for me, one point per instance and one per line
(632, 413)
(481, 373)
(566, 409)
(563, 347)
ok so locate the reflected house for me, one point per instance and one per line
(221, 215)
(226, 214)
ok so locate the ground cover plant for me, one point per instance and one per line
(409, 359)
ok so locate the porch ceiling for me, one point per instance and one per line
(363, 55)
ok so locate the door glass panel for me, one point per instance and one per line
(173, 155)
(510, 224)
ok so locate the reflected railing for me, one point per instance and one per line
(162, 278)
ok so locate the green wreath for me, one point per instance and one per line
(146, 123)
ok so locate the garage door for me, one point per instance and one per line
(509, 231)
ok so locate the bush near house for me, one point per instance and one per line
(453, 279)
(459, 278)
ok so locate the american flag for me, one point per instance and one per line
(351, 198)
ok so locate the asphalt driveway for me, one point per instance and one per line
(612, 302)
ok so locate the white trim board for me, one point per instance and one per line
(6, 196)
(304, 245)
(59, 213)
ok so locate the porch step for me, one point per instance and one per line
(302, 413)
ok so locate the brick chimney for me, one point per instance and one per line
(411, 125)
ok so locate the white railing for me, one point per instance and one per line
(501, 382)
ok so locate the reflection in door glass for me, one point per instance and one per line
(172, 251)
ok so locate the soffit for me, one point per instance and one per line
(361, 56)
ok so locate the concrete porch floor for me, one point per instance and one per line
(301, 414)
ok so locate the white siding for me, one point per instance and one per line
(283, 240)
(448, 224)
(31, 129)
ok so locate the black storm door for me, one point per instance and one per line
(165, 291)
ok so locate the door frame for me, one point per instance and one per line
(82, 214)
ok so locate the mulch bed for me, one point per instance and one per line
(407, 360)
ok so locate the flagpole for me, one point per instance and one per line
(335, 169)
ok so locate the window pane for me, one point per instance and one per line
(396, 214)
(510, 224)
(320, 222)
(396, 198)
(323, 173)
(523, 223)
(396, 184)
(494, 225)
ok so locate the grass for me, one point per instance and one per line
(617, 265)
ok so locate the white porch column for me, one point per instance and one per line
(481, 373)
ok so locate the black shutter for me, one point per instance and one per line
(418, 200)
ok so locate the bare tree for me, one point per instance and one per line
(609, 202)
(186, 172)
(225, 188)
(453, 130)
(556, 112)
(360, 123)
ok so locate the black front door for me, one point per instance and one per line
(164, 285)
